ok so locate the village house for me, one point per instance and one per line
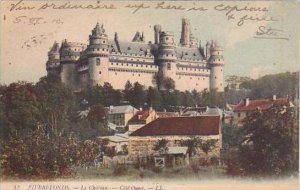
(247, 106)
(120, 115)
(141, 118)
(175, 130)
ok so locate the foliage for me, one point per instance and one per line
(19, 109)
(230, 136)
(270, 142)
(161, 146)
(119, 170)
(208, 145)
(192, 145)
(282, 84)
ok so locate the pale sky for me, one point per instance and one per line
(24, 47)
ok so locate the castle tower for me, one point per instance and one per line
(207, 50)
(216, 64)
(157, 30)
(193, 41)
(97, 53)
(166, 57)
(53, 63)
(185, 33)
(69, 54)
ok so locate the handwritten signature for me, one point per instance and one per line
(264, 32)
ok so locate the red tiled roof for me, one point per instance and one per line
(200, 125)
(140, 116)
(261, 104)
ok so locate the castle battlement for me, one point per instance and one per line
(190, 65)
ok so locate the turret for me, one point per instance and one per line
(216, 64)
(97, 53)
(207, 50)
(166, 57)
(193, 41)
(53, 63)
(185, 33)
(69, 54)
(157, 30)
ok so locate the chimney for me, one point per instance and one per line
(141, 109)
(274, 97)
(111, 108)
(246, 101)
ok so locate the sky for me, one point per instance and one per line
(24, 44)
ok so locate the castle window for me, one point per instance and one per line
(104, 41)
(127, 64)
(167, 38)
(128, 48)
(115, 73)
(194, 54)
(215, 77)
(100, 72)
(167, 55)
(98, 49)
(221, 69)
(169, 66)
(137, 65)
(98, 61)
(203, 78)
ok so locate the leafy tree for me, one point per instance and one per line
(270, 142)
(208, 145)
(154, 98)
(192, 144)
(19, 109)
(56, 103)
(213, 98)
(139, 95)
(281, 84)
(161, 146)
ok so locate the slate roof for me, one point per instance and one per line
(138, 48)
(188, 53)
(261, 104)
(200, 125)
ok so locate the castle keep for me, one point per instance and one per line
(189, 64)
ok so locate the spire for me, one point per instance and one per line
(98, 30)
(138, 37)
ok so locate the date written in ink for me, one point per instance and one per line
(35, 20)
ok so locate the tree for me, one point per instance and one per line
(139, 97)
(56, 104)
(192, 145)
(20, 112)
(154, 98)
(208, 145)
(270, 142)
(161, 146)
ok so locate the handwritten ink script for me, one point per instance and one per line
(264, 32)
(238, 14)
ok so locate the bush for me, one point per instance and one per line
(119, 170)
(157, 169)
(39, 156)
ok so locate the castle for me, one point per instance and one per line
(189, 64)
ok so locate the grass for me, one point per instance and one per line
(131, 173)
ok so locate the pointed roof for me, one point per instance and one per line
(55, 48)
(98, 30)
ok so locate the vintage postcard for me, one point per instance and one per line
(149, 95)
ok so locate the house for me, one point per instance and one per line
(120, 115)
(175, 130)
(246, 106)
(194, 111)
(141, 118)
(116, 141)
